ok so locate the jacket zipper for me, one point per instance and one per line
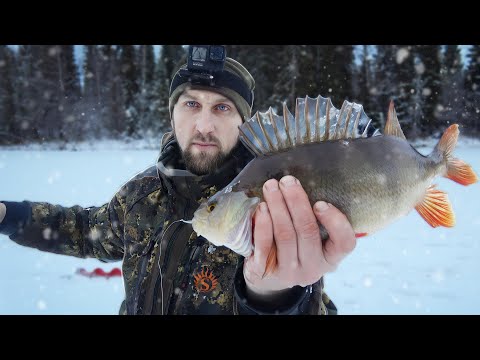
(143, 269)
(164, 263)
(194, 253)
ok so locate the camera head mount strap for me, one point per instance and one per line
(224, 79)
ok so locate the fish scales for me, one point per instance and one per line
(364, 178)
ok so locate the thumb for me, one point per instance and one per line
(3, 211)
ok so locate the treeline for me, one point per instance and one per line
(124, 92)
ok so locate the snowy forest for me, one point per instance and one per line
(121, 91)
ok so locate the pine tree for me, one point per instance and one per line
(70, 76)
(364, 81)
(8, 128)
(264, 62)
(45, 84)
(336, 76)
(429, 68)
(130, 77)
(73, 124)
(405, 74)
(92, 95)
(146, 100)
(104, 104)
(452, 98)
(27, 93)
(417, 99)
(384, 86)
(67, 90)
(171, 58)
(147, 61)
(472, 88)
(160, 104)
(287, 79)
(115, 110)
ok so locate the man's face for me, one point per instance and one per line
(206, 126)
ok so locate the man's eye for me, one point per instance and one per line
(223, 107)
(191, 103)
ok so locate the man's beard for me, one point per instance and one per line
(204, 162)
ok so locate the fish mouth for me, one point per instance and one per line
(214, 198)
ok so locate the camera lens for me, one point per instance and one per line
(217, 53)
(199, 53)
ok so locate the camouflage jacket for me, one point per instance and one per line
(167, 269)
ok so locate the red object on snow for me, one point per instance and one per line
(97, 272)
(115, 272)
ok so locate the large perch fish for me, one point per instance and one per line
(372, 178)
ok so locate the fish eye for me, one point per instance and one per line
(211, 207)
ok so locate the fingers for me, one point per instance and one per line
(341, 239)
(283, 230)
(303, 219)
(263, 239)
(3, 211)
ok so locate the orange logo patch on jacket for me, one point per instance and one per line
(205, 281)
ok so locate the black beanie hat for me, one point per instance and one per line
(235, 82)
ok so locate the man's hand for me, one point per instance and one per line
(3, 211)
(288, 222)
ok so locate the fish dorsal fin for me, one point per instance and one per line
(392, 126)
(316, 120)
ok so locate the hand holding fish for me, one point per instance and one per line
(286, 222)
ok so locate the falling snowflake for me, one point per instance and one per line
(41, 305)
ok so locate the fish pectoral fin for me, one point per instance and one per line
(271, 261)
(436, 209)
(460, 172)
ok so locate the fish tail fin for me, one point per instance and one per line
(460, 172)
(271, 261)
(436, 209)
(457, 170)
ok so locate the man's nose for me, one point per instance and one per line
(204, 122)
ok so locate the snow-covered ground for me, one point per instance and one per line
(407, 268)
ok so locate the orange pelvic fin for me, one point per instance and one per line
(359, 235)
(436, 209)
(271, 261)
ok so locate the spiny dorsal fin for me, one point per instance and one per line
(392, 127)
(315, 120)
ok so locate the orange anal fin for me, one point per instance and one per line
(359, 235)
(436, 209)
(460, 172)
(271, 261)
